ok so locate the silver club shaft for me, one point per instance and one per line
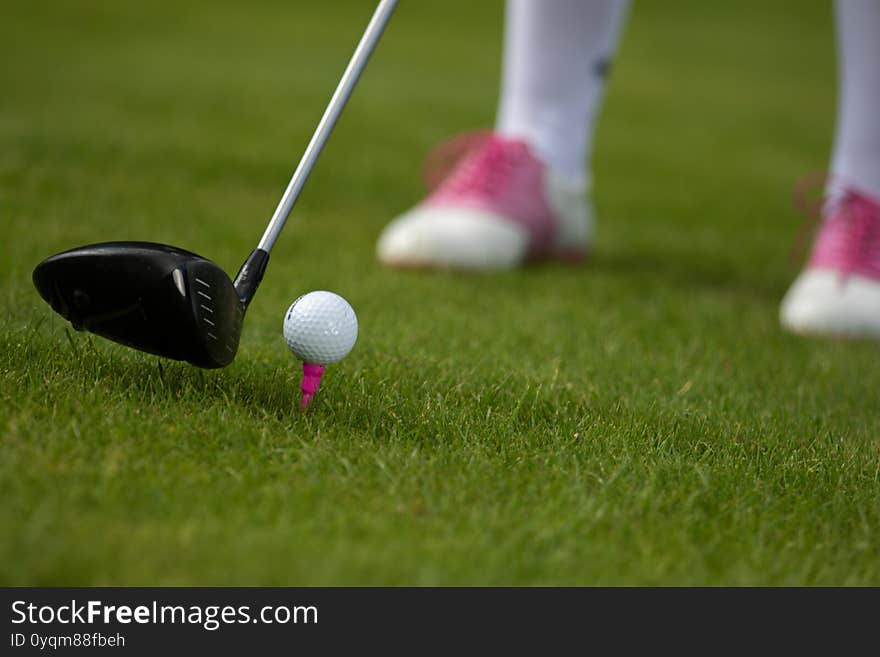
(325, 127)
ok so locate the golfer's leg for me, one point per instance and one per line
(856, 158)
(522, 193)
(557, 54)
(838, 293)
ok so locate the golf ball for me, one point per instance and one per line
(320, 327)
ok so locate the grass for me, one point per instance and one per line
(640, 420)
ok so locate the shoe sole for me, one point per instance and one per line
(830, 334)
(571, 258)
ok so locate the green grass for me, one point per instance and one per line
(640, 420)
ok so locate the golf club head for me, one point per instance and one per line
(153, 297)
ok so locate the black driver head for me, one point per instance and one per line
(153, 297)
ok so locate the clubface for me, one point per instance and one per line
(153, 297)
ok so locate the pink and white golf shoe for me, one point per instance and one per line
(838, 293)
(498, 207)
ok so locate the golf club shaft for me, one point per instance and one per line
(325, 127)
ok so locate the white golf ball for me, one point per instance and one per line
(320, 328)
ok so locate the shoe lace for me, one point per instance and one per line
(858, 215)
(819, 199)
(443, 158)
(472, 162)
(809, 200)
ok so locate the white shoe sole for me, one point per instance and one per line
(453, 237)
(820, 302)
(461, 237)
